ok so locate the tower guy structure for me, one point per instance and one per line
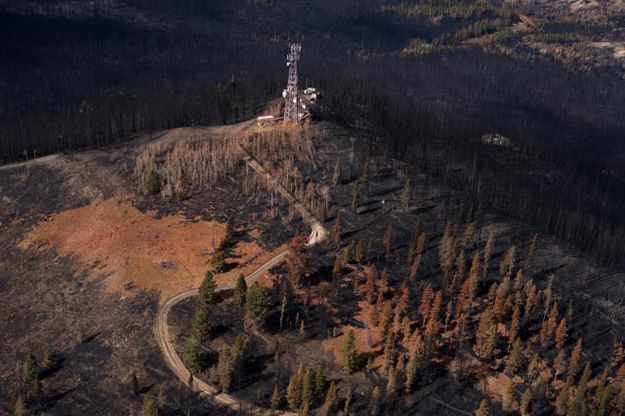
(291, 99)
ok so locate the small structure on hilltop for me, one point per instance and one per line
(496, 139)
(266, 120)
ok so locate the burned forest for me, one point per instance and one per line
(419, 214)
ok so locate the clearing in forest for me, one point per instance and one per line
(129, 249)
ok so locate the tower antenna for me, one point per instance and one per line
(290, 94)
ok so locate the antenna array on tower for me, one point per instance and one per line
(290, 93)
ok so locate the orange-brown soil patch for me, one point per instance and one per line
(130, 249)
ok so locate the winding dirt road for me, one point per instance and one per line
(161, 328)
(174, 362)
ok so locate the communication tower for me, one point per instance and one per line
(291, 99)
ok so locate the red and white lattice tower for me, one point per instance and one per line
(291, 99)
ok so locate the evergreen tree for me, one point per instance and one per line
(604, 398)
(402, 303)
(418, 256)
(392, 387)
(386, 318)
(603, 380)
(415, 362)
(469, 234)
(573, 367)
(370, 274)
(319, 385)
(338, 266)
(337, 230)
(152, 184)
(431, 329)
(240, 290)
(619, 402)
(515, 358)
(193, 357)
(347, 254)
(229, 232)
(515, 323)
(276, 399)
(483, 409)
(461, 264)
(376, 402)
(501, 296)
(449, 311)
(426, 303)
(618, 353)
(526, 401)
(219, 261)
(20, 407)
(30, 369)
(549, 326)
(389, 350)
(348, 353)
(308, 387)
(202, 324)
(134, 383)
(532, 250)
(446, 251)
(297, 259)
(302, 329)
(547, 294)
(470, 286)
(519, 280)
(161, 399)
(331, 400)
(559, 364)
(485, 336)
(561, 333)
(148, 406)
(507, 399)
(294, 391)
(348, 400)
(237, 355)
(488, 252)
(530, 298)
(562, 400)
(257, 301)
(569, 311)
(507, 264)
(578, 405)
(533, 367)
(412, 249)
(361, 251)
(206, 292)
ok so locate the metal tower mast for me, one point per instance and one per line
(291, 100)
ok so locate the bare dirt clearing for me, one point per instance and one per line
(128, 248)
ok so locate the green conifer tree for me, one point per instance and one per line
(240, 290)
(348, 353)
(276, 399)
(206, 292)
